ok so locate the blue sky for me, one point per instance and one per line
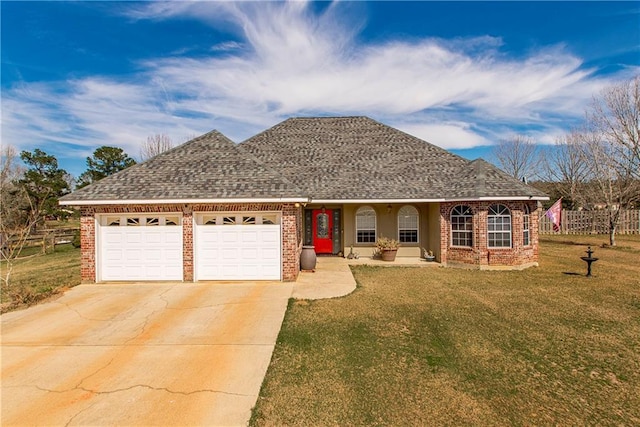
(461, 75)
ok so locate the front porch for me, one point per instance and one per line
(341, 229)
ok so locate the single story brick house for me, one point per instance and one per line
(211, 209)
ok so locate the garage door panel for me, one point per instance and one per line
(270, 254)
(174, 237)
(249, 236)
(133, 236)
(113, 255)
(250, 253)
(230, 254)
(154, 237)
(152, 255)
(138, 253)
(237, 252)
(173, 253)
(133, 255)
(271, 270)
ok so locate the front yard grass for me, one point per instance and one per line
(436, 346)
(39, 276)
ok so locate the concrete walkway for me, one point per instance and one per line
(332, 278)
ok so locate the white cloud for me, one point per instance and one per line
(451, 135)
(282, 59)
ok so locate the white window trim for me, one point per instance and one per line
(417, 229)
(451, 226)
(526, 219)
(239, 217)
(510, 216)
(103, 219)
(375, 224)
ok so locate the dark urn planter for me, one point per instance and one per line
(308, 258)
(389, 254)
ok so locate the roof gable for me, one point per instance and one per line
(208, 167)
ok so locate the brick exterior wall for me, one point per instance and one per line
(480, 254)
(291, 242)
(187, 244)
(291, 232)
(87, 245)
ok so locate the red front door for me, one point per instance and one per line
(322, 231)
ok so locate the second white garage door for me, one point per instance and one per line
(237, 246)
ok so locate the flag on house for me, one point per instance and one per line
(554, 213)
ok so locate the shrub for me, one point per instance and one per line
(76, 239)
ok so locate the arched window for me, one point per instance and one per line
(526, 219)
(365, 225)
(408, 224)
(499, 226)
(461, 226)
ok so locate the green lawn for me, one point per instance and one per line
(39, 276)
(411, 346)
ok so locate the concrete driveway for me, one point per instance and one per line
(141, 354)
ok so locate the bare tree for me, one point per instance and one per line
(609, 147)
(610, 181)
(10, 169)
(615, 115)
(15, 205)
(564, 166)
(518, 156)
(155, 144)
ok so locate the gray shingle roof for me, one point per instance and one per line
(208, 167)
(356, 158)
(482, 179)
(329, 158)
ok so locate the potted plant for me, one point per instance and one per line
(429, 256)
(388, 248)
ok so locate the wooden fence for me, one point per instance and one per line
(592, 222)
(43, 238)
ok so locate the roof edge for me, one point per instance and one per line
(180, 201)
(292, 200)
(435, 200)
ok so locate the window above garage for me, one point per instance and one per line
(140, 220)
(238, 218)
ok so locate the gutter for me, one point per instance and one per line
(436, 200)
(292, 200)
(179, 201)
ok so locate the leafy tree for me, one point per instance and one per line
(43, 183)
(104, 162)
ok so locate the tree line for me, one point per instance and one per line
(595, 165)
(31, 183)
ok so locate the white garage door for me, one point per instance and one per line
(140, 247)
(237, 246)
